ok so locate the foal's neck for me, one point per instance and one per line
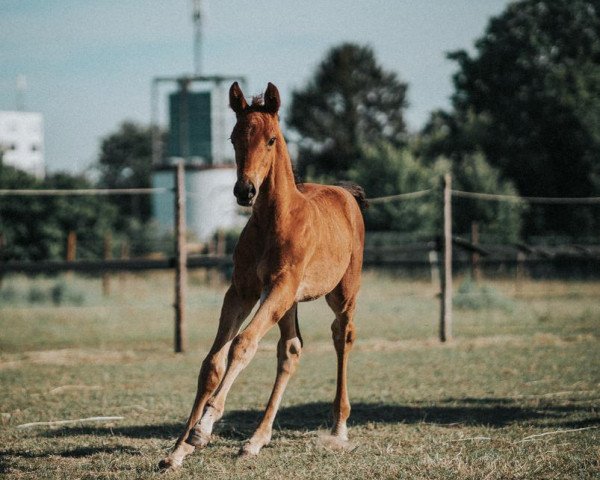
(278, 189)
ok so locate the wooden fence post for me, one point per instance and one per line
(520, 271)
(475, 267)
(180, 260)
(446, 298)
(124, 255)
(1, 253)
(71, 246)
(107, 256)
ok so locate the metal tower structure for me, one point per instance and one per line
(197, 21)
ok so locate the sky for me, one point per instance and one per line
(89, 64)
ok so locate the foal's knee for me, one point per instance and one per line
(211, 373)
(343, 334)
(288, 354)
(243, 348)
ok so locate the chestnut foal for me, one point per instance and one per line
(300, 243)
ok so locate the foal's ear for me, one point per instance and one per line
(237, 102)
(272, 101)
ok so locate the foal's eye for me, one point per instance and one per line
(271, 141)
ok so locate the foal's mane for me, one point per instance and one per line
(257, 105)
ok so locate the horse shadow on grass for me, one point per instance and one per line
(483, 412)
(77, 452)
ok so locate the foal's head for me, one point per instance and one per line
(254, 139)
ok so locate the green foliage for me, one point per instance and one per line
(499, 220)
(350, 102)
(42, 292)
(125, 161)
(387, 170)
(63, 293)
(36, 295)
(36, 228)
(529, 98)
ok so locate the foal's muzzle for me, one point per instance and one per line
(245, 192)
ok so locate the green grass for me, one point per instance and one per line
(515, 395)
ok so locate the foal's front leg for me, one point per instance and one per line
(279, 300)
(234, 312)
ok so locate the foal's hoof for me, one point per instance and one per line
(175, 459)
(249, 450)
(169, 464)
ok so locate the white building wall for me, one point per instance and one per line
(22, 141)
(222, 123)
(210, 204)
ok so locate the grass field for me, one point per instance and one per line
(515, 395)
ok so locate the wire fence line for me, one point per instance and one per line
(519, 199)
(80, 191)
(375, 200)
(400, 196)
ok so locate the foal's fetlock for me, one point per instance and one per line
(197, 438)
(201, 433)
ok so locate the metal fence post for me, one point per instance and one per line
(446, 298)
(180, 260)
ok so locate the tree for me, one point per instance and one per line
(529, 99)
(386, 170)
(36, 228)
(350, 102)
(125, 161)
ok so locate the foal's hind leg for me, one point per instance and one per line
(343, 334)
(289, 350)
(234, 312)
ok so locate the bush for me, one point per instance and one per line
(471, 296)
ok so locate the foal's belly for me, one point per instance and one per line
(319, 280)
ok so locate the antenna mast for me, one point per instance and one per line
(197, 20)
(21, 88)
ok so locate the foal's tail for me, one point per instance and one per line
(357, 192)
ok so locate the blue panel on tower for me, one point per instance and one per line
(190, 125)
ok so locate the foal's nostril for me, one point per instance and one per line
(244, 190)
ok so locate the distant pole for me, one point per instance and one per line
(475, 267)
(71, 249)
(520, 271)
(1, 255)
(21, 88)
(180, 260)
(197, 21)
(71, 246)
(446, 299)
(124, 255)
(107, 256)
